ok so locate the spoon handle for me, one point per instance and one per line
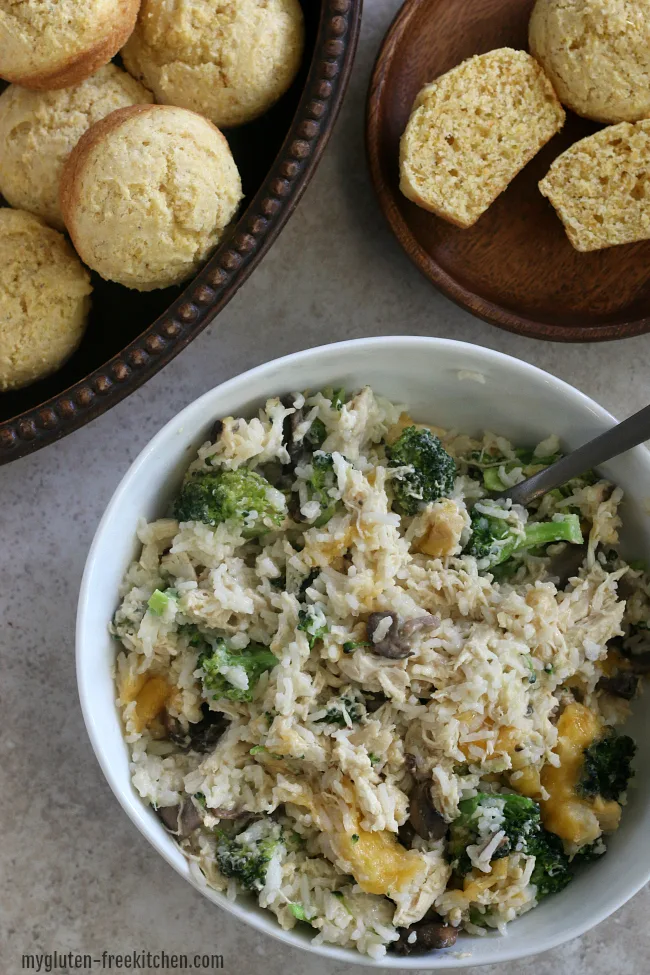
(622, 437)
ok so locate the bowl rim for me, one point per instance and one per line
(489, 311)
(135, 807)
(239, 252)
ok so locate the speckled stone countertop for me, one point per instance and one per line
(76, 874)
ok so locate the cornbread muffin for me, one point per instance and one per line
(45, 44)
(597, 54)
(44, 299)
(600, 187)
(229, 60)
(147, 193)
(472, 130)
(39, 130)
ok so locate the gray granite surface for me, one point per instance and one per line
(76, 875)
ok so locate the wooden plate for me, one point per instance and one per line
(515, 268)
(131, 335)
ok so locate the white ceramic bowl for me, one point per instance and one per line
(450, 384)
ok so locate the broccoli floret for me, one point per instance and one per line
(337, 709)
(490, 462)
(299, 912)
(351, 645)
(316, 435)
(551, 872)
(526, 461)
(524, 457)
(247, 856)
(194, 636)
(213, 497)
(159, 602)
(335, 396)
(479, 917)
(606, 770)
(233, 674)
(504, 571)
(492, 480)
(576, 484)
(432, 474)
(532, 673)
(590, 852)
(494, 540)
(484, 815)
(484, 459)
(312, 621)
(514, 814)
(540, 533)
(320, 482)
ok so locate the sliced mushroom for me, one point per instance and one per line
(383, 634)
(201, 736)
(168, 815)
(216, 431)
(189, 818)
(625, 588)
(411, 763)
(175, 730)
(374, 701)
(406, 834)
(429, 936)
(181, 820)
(277, 474)
(623, 684)
(222, 813)
(295, 448)
(423, 816)
(426, 622)
(293, 507)
(308, 581)
(567, 563)
(205, 734)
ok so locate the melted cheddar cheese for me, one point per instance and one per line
(130, 686)
(613, 662)
(379, 863)
(324, 549)
(442, 530)
(573, 818)
(529, 783)
(403, 422)
(505, 743)
(475, 883)
(150, 701)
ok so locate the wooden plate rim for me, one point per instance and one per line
(231, 264)
(488, 311)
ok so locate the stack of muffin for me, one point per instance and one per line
(132, 165)
(473, 129)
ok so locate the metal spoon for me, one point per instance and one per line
(630, 433)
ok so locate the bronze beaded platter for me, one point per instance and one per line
(132, 335)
